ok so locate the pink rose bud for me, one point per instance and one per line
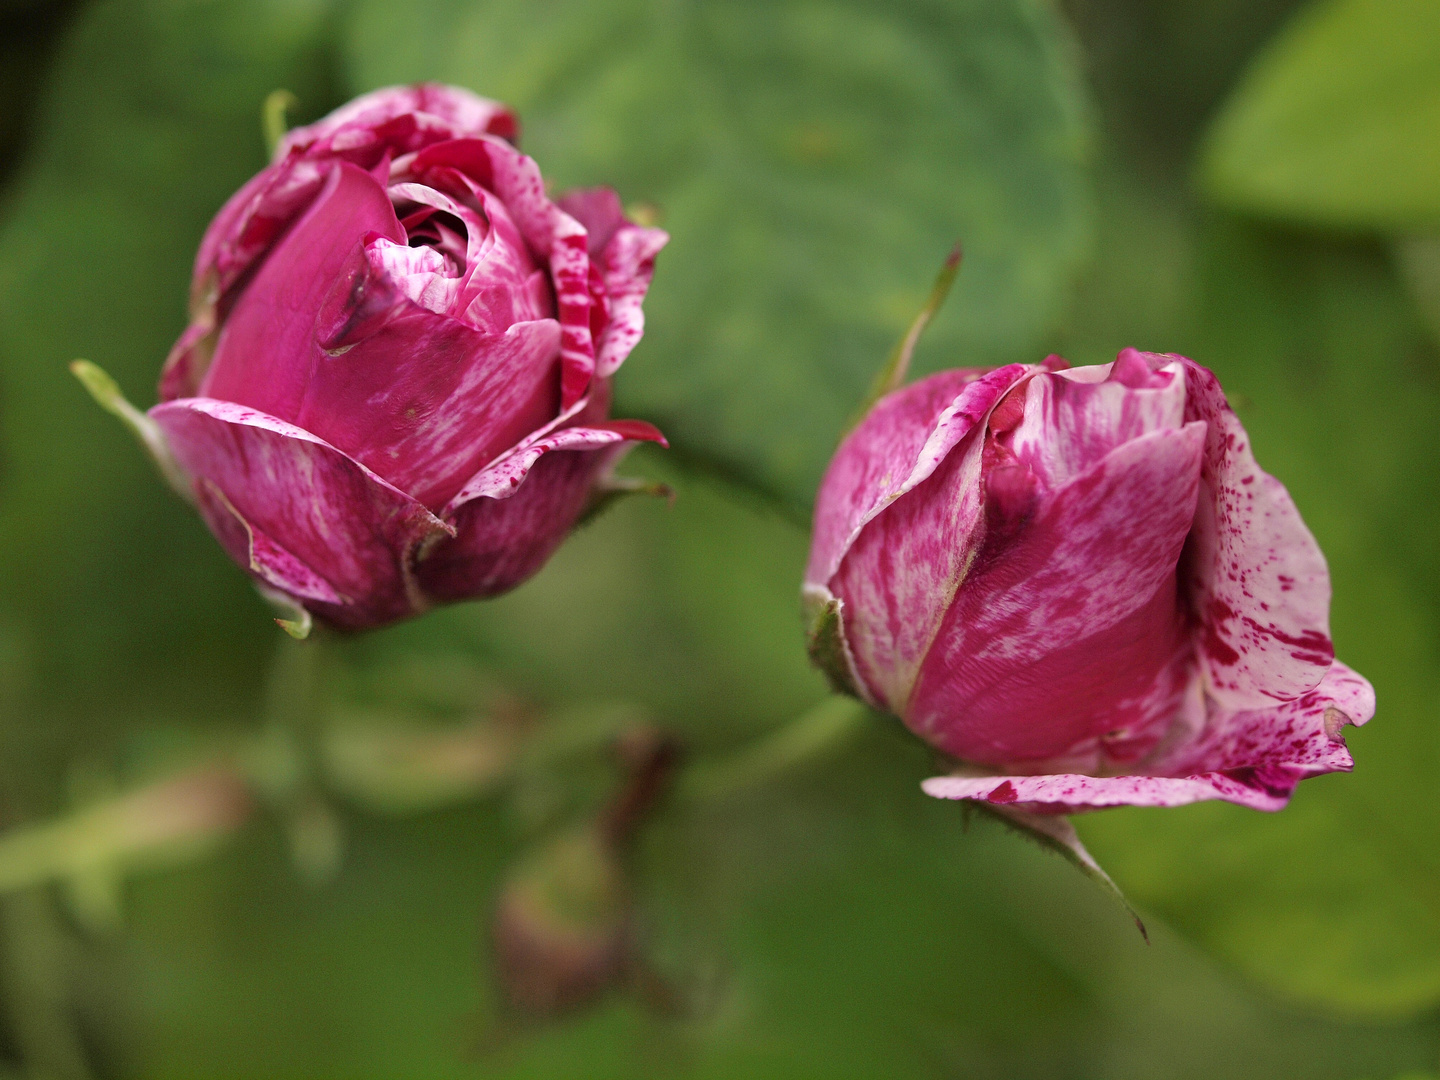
(395, 385)
(1080, 584)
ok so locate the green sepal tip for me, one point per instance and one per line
(825, 641)
(272, 117)
(897, 365)
(107, 394)
(1055, 833)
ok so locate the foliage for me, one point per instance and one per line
(814, 161)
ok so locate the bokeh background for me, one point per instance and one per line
(1255, 183)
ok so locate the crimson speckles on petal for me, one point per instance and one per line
(395, 333)
(1079, 584)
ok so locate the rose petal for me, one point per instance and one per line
(1071, 422)
(504, 477)
(229, 223)
(627, 265)
(1256, 578)
(1070, 629)
(1254, 758)
(323, 510)
(419, 273)
(254, 549)
(501, 284)
(513, 514)
(1067, 793)
(501, 541)
(266, 353)
(440, 112)
(423, 399)
(552, 235)
(598, 210)
(896, 446)
(289, 188)
(189, 359)
(914, 505)
(1302, 735)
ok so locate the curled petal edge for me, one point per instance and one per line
(408, 527)
(628, 264)
(278, 568)
(503, 477)
(1063, 793)
(1254, 758)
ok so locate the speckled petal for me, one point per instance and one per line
(257, 215)
(1301, 736)
(1258, 582)
(1072, 419)
(1254, 758)
(500, 542)
(260, 553)
(627, 265)
(252, 222)
(625, 255)
(299, 514)
(436, 110)
(504, 477)
(423, 399)
(913, 543)
(898, 444)
(1070, 630)
(1067, 793)
(598, 210)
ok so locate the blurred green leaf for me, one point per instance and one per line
(843, 927)
(1417, 260)
(813, 162)
(691, 612)
(1338, 120)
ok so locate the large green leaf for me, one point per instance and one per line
(814, 163)
(1338, 121)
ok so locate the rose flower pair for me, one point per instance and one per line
(394, 393)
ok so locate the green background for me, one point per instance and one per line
(1255, 184)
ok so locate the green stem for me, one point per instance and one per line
(812, 734)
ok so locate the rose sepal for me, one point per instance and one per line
(108, 395)
(1054, 832)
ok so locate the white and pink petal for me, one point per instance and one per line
(897, 445)
(1067, 630)
(1254, 758)
(302, 516)
(1257, 580)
